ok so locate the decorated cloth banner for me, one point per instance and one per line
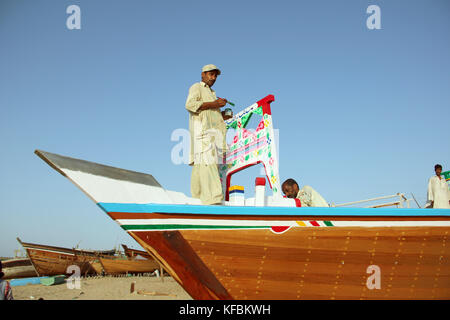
(250, 147)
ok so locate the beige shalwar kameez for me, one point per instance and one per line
(207, 130)
(311, 198)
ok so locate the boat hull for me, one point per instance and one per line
(18, 268)
(48, 263)
(97, 267)
(123, 266)
(133, 253)
(306, 263)
(52, 261)
(277, 251)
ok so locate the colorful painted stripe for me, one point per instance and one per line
(195, 224)
(275, 226)
(271, 211)
(223, 222)
(185, 226)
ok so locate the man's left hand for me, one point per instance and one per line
(226, 117)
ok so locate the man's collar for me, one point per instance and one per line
(206, 86)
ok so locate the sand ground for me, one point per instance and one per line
(106, 288)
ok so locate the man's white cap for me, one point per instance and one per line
(210, 67)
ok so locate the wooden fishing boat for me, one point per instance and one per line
(269, 247)
(139, 254)
(97, 267)
(18, 268)
(128, 266)
(51, 260)
(133, 253)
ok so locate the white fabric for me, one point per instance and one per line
(311, 198)
(438, 192)
(205, 183)
(207, 127)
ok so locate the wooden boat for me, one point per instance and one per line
(128, 266)
(97, 267)
(270, 247)
(133, 253)
(18, 268)
(51, 260)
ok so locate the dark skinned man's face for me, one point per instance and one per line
(291, 191)
(438, 171)
(209, 77)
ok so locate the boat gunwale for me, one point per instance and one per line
(315, 212)
(62, 250)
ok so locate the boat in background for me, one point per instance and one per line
(25, 281)
(18, 268)
(115, 265)
(269, 247)
(133, 253)
(52, 261)
(97, 267)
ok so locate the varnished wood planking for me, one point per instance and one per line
(119, 266)
(51, 260)
(357, 248)
(178, 258)
(52, 263)
(231, 256)
(97, 266)
(131, 253)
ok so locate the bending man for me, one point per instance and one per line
(307, 195)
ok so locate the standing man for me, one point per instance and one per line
(307, 195)
(207, 129)
(438, 192)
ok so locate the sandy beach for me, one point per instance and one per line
(106, 288)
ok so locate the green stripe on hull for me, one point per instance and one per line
(186, 226)
(328, 223)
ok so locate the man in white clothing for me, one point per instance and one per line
(438, 191)
(307, 195)
(208, 143)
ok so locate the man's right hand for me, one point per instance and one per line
(221, 102)
(217, 104)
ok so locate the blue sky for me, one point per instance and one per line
(361, 113)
